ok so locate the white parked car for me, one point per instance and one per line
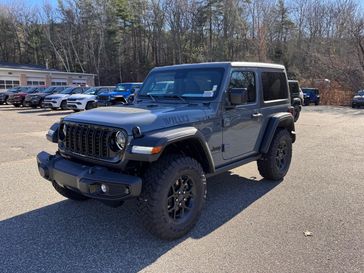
(60, 100)
(87, 100)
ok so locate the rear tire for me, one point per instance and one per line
(16, 105)
(173, 194)
(275, 164)
(68, 193)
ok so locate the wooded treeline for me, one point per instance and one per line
(121, 40)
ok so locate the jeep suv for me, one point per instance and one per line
(60, 100)
(87, 100)
(123, 93)
(36, 99)
(311, 95)
(161, 149)
(358, 99)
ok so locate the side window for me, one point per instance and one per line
(274, 86)
(245, 80)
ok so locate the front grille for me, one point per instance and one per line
(89, 140)
(71, 99)
(103, 98)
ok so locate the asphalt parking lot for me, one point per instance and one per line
(248, 224)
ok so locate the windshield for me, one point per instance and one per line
(67, 91)
(361, 93)
(186, 83)
(95, 91)
(13, 90)
(123, 86)
(30, 90)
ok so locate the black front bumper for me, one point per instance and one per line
(358, 103)
(87, 180)
(33, 102)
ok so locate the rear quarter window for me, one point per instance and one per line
(274, 86)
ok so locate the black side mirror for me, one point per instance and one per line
(238, 96)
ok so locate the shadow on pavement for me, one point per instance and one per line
(55, 113)
(31, 111)
(89, 236)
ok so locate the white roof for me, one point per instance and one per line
(255, 64)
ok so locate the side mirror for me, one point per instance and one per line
(238, 96)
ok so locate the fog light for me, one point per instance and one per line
(104, 188)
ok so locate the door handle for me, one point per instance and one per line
(257, 115)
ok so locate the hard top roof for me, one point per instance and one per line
(221, 64)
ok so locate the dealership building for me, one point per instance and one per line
(27, 75)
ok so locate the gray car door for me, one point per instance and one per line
(242, 123)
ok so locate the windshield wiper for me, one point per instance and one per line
(175, 96)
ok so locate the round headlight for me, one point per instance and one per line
(120, 140)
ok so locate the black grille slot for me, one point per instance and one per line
(88, 140)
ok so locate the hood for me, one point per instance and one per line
(38, 94)
(81, 96)
(20, 94)
(147, 117)
(58, 96)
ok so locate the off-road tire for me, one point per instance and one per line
(268, 164)
(68, 193)
(159, 182)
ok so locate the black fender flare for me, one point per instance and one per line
(280, 120)
(167, 137)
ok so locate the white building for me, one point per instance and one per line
(16, 74)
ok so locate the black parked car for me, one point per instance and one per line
(5, 95)
(36, 99)
(358, 99)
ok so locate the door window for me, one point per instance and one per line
(245, 80)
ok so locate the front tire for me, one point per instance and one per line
(89, 106)
(64, 105)
(173, 194)
(68, 193)
(275, 164)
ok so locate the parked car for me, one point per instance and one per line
(120, 95)
(87, 100)
(218, 116)
(35, 100)
(59, 100)
(17, 99)
(311, 95)
(296, 98)
(5, 95)
(358, 99)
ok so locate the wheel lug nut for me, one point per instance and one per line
(180, 204)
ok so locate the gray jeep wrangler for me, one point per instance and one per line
(188, 122)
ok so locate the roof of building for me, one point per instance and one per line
(34, 67)
(25, 66)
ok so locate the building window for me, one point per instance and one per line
(35, 83)
(59, 83)
(7, 84)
